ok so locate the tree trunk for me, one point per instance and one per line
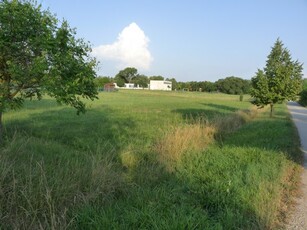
(271, 105)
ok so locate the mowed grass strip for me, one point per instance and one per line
(105, 170)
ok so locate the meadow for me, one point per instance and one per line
(148, 160)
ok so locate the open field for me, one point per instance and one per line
(147, 160)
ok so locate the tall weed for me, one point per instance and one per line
(197, 135)
(39, 193)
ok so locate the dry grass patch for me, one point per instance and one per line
(197, 135)
(184, 138)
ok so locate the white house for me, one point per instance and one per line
(160, 85)
(132, 86)
(129, 86)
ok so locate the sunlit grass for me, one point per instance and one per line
(147, 160)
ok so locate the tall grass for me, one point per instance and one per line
(197, 134)
(181, 139)
(147, 160)
(37, 192)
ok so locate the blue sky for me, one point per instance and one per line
(190, 40)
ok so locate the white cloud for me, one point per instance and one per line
(129, 49)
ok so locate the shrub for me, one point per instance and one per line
(303, 98)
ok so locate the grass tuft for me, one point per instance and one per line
(181, 139)
(197, 134)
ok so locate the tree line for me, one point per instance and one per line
(229, 85)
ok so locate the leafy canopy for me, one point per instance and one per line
(37, 56)
(127, 74)
(280, 80)
(233, 85)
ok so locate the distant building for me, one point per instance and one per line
(132, 86)
(129, 86)
(160, 85)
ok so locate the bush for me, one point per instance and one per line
(303, 98)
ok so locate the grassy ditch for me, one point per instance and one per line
(149, 160)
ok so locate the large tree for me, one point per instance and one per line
(38, 55)
(141, 80)
(127, 74)
(280, 80)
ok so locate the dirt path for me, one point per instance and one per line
(299, 116)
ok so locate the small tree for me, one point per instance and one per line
(37, 56)
(280, 80)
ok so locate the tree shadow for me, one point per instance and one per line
(192, 114)
(184, 199)
(209, 112)
(82, 132)
(221, 107)
(269, 134)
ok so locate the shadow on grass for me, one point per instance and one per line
(202, 193)
(276, 134)
(221, 107)
(195, 114)
(224, 187)
(208, 112)
(82, 132)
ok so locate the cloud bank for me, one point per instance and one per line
(129, 49)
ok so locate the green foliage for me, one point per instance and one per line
(127, 74)
(54, 175)
(305, 83)
(229, 85)
(303, 94)
(174, 83)
(233, 85)
(119, 81)
(193, 86)
(101, 81)
(37, 56)
(260, 91)
(141, 80)
(159, 78)
(280, 80)
(181, 85)
(303, 97)
(208, 86)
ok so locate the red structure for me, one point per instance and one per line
(109, 87)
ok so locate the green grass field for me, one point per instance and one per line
(147, 160)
